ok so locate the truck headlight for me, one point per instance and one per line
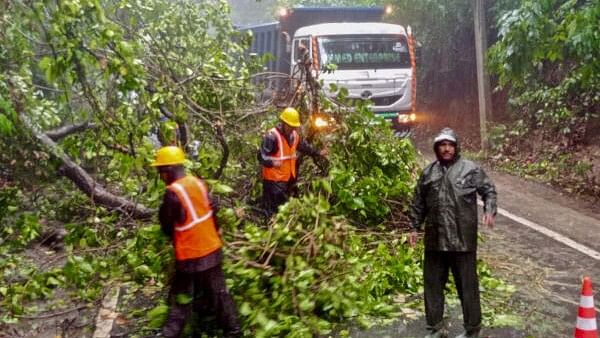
(319, 122)
(407, 118)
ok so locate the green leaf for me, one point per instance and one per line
(51, 281)
(245, 309)
(183, 298)
(157, 316)
(322, 206)
(109, 33)
(358, 202)
(6, 126)
(222, 188)
(86, 267)
(327, 186)
(143, 270)
(307, 305)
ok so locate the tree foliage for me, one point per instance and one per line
(548, 56)
(120, 66)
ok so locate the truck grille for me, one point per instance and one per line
(385, 100)
(378, 101)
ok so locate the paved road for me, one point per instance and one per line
(547, 272)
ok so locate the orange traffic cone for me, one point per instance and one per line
(586, 317)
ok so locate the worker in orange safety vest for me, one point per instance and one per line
(188, 218)
(278, 155)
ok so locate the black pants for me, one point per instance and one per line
(276, 194)
(211, 283)
(464, 269)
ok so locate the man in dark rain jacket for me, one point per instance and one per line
(446, 201)
(188, 218)
(277, 155)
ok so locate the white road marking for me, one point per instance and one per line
(552, 234)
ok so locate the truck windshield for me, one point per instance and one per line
(364, 51)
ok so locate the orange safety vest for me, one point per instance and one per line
(286, 154)
(197, 235)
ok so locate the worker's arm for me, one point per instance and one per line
(214, 206)
(307, 149)
(170, 213)
(268, 148)
(487, 191)
(417, 211)
(418, 206)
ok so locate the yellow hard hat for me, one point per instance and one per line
(291, 117)
(170, 155)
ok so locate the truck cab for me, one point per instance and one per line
(370, 59)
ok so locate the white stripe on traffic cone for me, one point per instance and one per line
(586, 316)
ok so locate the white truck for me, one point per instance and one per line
(370, 59)
(351, 48)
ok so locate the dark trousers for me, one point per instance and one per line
(211, 284)
(276, 194)
(464, 269)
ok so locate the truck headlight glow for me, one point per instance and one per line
(283, 11)
(407, 118)
(320, 122)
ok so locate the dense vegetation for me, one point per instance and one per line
(548, 57)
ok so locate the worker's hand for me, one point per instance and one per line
(324, 151)
(412, 238)
(276, 163)
(488, 220)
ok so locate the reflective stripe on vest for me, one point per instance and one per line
(281, 156)
(286, 154)
(190, 207)
(197, 235)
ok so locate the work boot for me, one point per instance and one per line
(465, 334)
(438, 334)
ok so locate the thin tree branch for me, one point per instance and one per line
(223, 142)
(69, 129)
(117, 147)
(251, 112)
(54, 314)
